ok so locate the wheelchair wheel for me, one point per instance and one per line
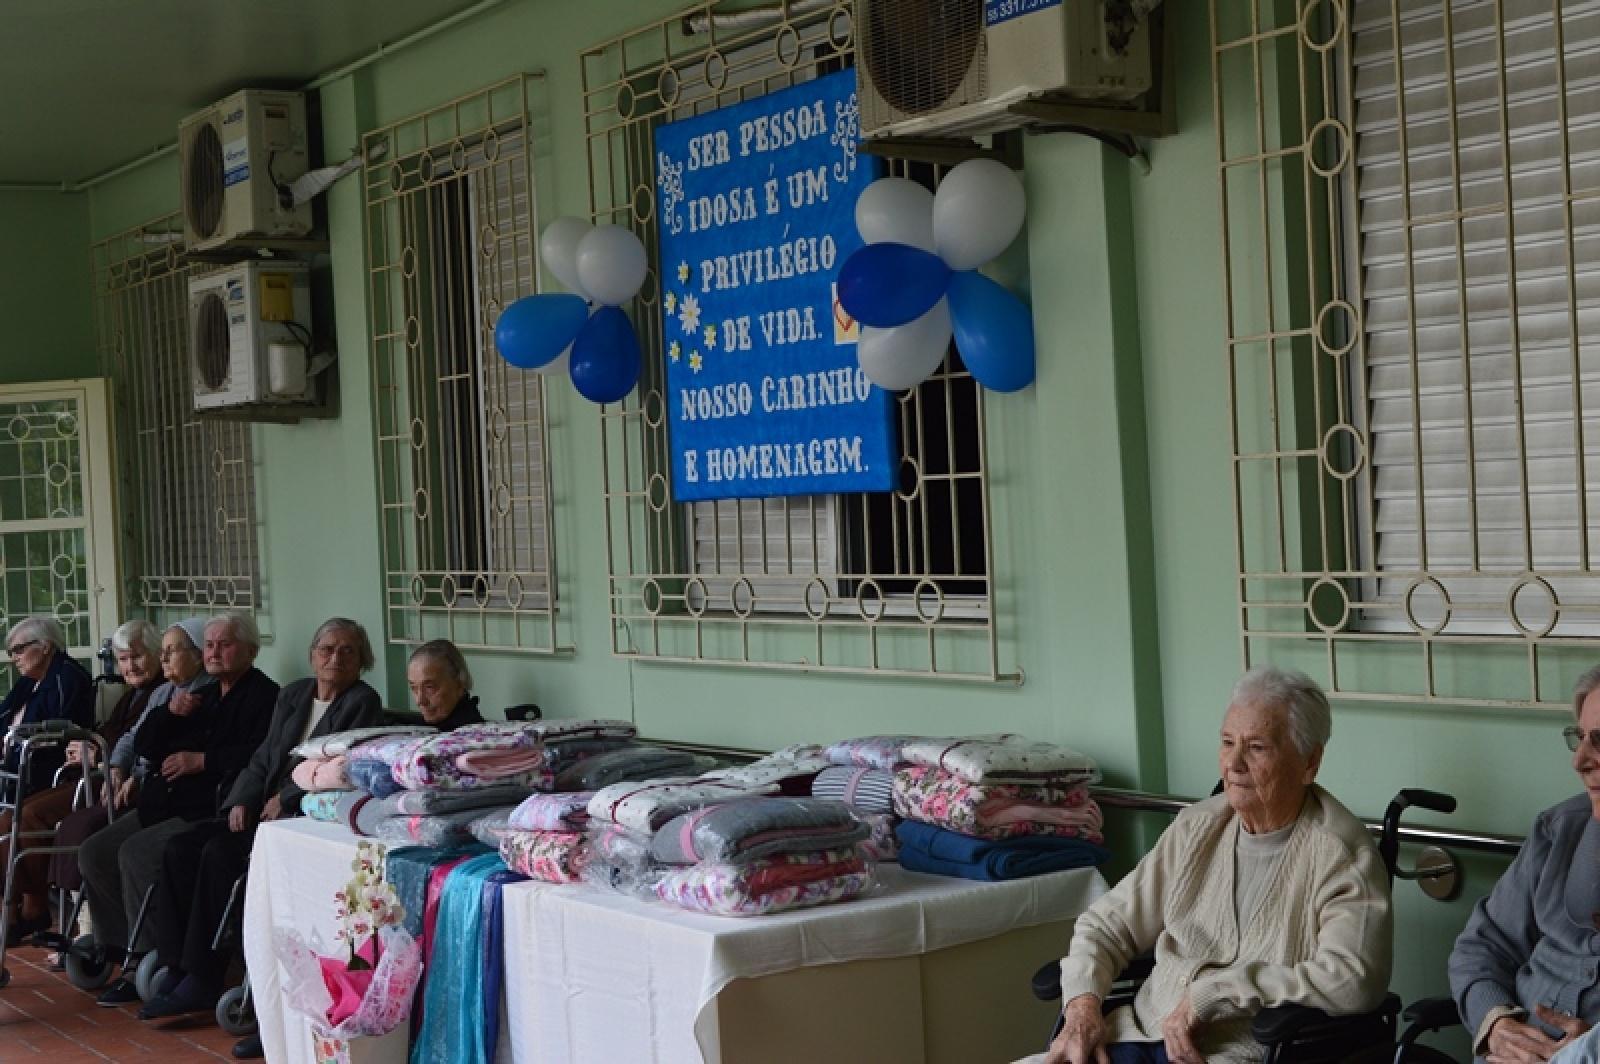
(1420, 1054)
(234, 1014)
(87, 968)
(150, 975)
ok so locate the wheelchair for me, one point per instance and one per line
(1299, 1033)
(29, 742)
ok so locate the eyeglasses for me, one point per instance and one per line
(1575, 736)
(338, 650)
(17, 649)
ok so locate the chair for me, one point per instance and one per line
(1297, 1033)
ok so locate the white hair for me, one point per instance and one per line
(1297, 696)
(42, 627)
(1585, 686)
(241, 626)
(138, 633)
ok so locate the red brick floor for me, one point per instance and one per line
(44, 1018)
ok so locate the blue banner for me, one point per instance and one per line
(756, 208)
(998, 11)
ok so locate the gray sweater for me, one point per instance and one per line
(1533, 941)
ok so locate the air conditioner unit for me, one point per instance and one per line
(237, 159)
(250, 335)
(956, 67)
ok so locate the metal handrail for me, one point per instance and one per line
(1479, 841)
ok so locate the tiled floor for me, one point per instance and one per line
(44, 1018)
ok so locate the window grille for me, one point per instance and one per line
(898, 583)
(452, 232)
(1410, 199)
(187, 484)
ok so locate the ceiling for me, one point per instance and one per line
(88, 85)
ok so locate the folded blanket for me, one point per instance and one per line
(792, 776)
(870, 751)
(552, 812)
(501, 764)
(491, 827)
(445, 829)
(367, 764)
(336, 743)
(995, 810)
(564, 753)
(881, 844)
(756, 827)
(1002, 759)
(434, 802)
(620, 860)
(564, 731)
(548, 856)
(644, 807)
(925, 848)
(321, 774)
(429, 763)
(629, 763)
(324, 805)
(767, 884)
(866, 790)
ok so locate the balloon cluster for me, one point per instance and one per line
(603, 265)
(915, 282)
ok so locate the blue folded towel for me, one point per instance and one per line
(925, 848)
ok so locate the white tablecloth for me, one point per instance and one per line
(602, 977)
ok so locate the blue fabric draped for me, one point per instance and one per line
(494, 955)
(925, 848)
(454, 1001)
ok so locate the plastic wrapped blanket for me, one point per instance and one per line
(870, 751)
(925, 848)
(996, 810)
(644, 807)
(321, 774)
(629, 763)
(882, 844)
(337, 743)
(756, 827)
(620, 860)
(430, 762)
(548, 856)
(367, 764)
(791, 775)
(324, 805)
(490, 828)
(384, 1006)
(553, 812)
(768, 884)
(445, 829)
(1002, 759)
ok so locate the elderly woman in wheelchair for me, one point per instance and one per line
(1525, 972)
(1266, 894)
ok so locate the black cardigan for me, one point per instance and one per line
(226, 728)
(358, 706)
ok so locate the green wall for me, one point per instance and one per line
(1113, 524)
(44, 287)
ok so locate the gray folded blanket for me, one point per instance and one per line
(756, 827)
(629, 763)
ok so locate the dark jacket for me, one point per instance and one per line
(358, 706)
(65, 692)
(466, 712)
(226, 728)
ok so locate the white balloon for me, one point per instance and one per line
(558, 247)
(977, 213)
(557, 366)
(906, 355)
(894, 210)
(611, 265)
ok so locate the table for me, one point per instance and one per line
(927, 968)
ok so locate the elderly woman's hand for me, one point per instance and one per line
(1083, 1034)
(1177, 1031)
(1513, 1042)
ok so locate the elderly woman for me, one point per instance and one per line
(200, 865)
(50, 686)
(1524, 971)
(138, 663)
(441, 686)
(1269, 893)
(172, 668)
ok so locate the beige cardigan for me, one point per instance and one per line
(1323, 935)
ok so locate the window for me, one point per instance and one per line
(452, 231)
(1412, 271)
(896, 583)
(188, 492)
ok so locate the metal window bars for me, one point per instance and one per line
(463, 477)
(894, 584)
(1410, 200)
(186, 484)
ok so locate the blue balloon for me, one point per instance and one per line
(535, 329)
(994, 332)
(884, 285)
(605, 357)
